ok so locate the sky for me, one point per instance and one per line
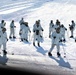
(45, 10)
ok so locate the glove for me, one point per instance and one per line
(19, 33)
(7, 39)
(30, 31)
(54, 37)
(42, 30)
(60, 40)
(34, 31)
(65, 29)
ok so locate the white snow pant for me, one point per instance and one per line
(62, 36)
(72, 32)
(4, 46)
(12, 31)
(52, 47)
(36, 37)
(21, 34)
(25, 36)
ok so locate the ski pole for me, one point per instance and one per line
(64, 51)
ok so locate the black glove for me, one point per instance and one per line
(7, 39)
(30, 31)
(34, 31)
(65, 29)
(42, 30)
(20, 33)
(54, 37)
(60, 40)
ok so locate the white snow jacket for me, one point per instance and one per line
(37, 29)
(56, 37)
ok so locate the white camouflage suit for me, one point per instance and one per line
(2, 24)
(35, 30)
(25, 30)
(12, 29)
(73, 28)
(21, 31)
(62, 31)
(56, 37)
(51, 28)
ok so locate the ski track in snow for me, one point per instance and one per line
(14, 7)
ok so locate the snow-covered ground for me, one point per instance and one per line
(45, 10)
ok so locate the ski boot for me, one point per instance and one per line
(71, 36)
(26, 40)
(39, 44)
(49, 54)
(34, 43)
(21, 39)
(64, 40)
(58, 54)
(14, 37)
(4, 52)
(10, 37)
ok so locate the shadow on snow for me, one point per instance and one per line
(62, 62)
(3, 60)
(41, 50)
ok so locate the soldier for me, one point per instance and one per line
(36, 29)
(12, 29)
(51, 28)
(2, 24)
(62, 31)
(56, 37)
(57, 24)
(72, 27)
(25, 30)
(21, 21)
(4, 39)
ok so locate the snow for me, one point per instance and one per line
(45, 10)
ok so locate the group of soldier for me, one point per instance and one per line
(56, 33)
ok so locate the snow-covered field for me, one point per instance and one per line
(45, 10)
